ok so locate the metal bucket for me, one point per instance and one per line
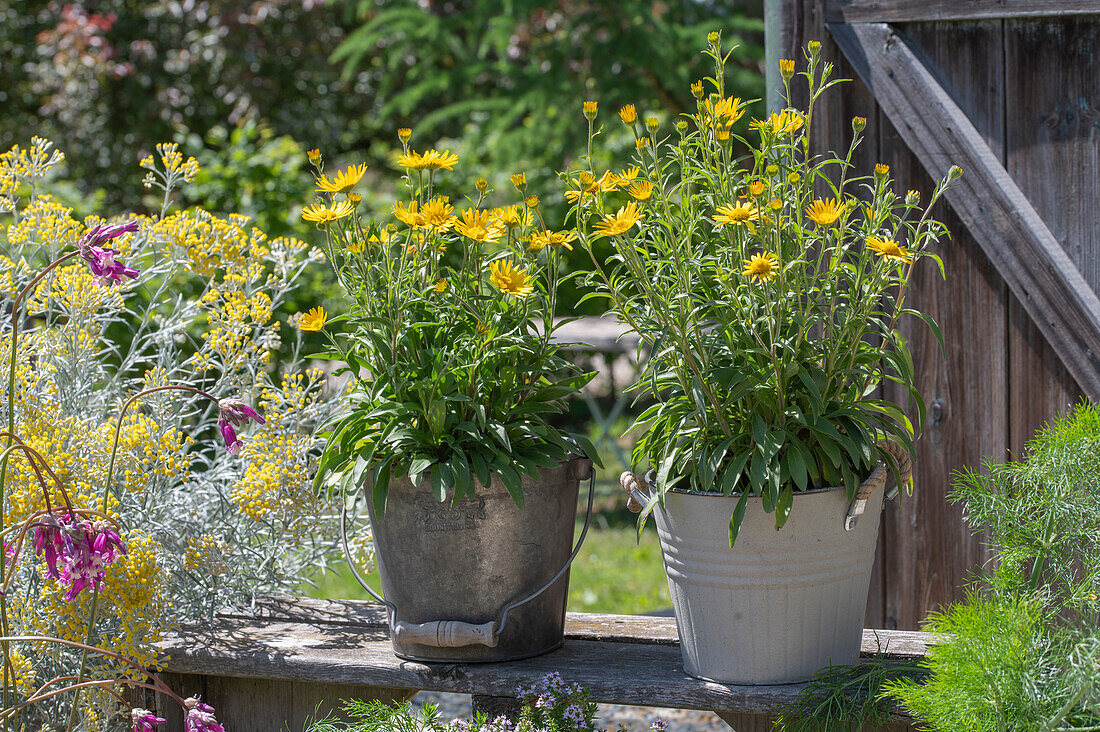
(780, 605)
(480, 580)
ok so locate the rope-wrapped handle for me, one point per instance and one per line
(633, 487)
(877, 479)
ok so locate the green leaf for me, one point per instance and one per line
(738, 516)
(380, 489)
(783, 506)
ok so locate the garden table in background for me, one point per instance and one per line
(268, 671)
(605, 346)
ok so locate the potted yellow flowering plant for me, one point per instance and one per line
(456, 378)
(768, 287)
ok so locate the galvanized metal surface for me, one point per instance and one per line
(468, 562)
(778, 606)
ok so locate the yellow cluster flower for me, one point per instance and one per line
(234, 318)
(205, 554)
(45, 223)
(212, 243)
(278, 479)
(73, 291)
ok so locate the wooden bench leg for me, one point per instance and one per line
(264, 705)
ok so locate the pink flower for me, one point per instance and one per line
(101, 260)
(145, 721)
(235, 413)
(49, 540)
(87, 551)
(200, 717)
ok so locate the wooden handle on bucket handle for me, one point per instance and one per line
(447, 633)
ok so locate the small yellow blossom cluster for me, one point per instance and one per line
(277, 482)
(148, 451)
(73, 291)
(235, 321)
(205, 555)
(213, 244)
(174, 169)
(44, 222)
(19, 165)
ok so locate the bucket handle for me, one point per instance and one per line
(456, 633)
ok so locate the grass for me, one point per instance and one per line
(613, 573)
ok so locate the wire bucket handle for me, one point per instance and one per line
(458, 633)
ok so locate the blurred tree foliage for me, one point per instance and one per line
(245, 86)
(502, 83)
(107, 80)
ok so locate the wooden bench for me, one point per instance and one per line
(268, 671)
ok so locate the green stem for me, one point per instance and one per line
(84, 657)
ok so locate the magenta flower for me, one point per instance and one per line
(145, 721)
(200, 717)
(49, 540)
(101, 260)
(89, 549)
(235, 413)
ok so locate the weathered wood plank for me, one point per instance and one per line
(930, 552)
(910, 11)
(370, 618)
(1052, 153)
(987, 200)
(648, 675)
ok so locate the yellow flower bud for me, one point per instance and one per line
(713, 38)
(697, 89)
(314, 156)
(404, 134)
(786, 67)
(652, 123)
(912, 198)
(757, 187)
(858, 123)
(882, 170)
(355, 197)
(641, 143)
(519, 180)
(775, 204)
(815, 47)
(723, 137)
(954, 172)
(481, 184)
(532, 201)
(772, 169)
(681, 126)
(793, 178)
(628, 114)
(590, 110)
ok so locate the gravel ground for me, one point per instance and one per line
(609, 717)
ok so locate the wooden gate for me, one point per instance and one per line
(1010, 91)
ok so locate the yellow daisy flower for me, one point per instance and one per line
(409, 214)
(430, 160)
(641, 190)
(722, 112)
(628, 114)
(824, 212)
(477, 226)
(440, 285)
(757, 187)
(742, 213)
(508, 279)
(323, 214)
(312, 320)
(436, 214)
(623, 219)
(889, 249)
(345, 180)
(780, 123)
(541, 239)
(761, 267)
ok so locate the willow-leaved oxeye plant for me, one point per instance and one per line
(768, 285)
(450, 337)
